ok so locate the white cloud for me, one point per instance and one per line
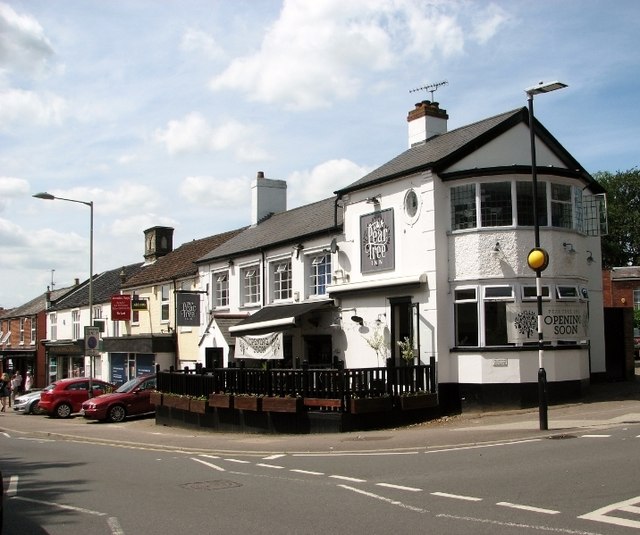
(11, 188)
(23, 44)
(321, 181)
(216, 192)
(195, 40)
(194, 134)
(488, 22)
(18, 107)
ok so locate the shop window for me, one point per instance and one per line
(529, 293)
(495, 314)
(567, 293)
(466, 317)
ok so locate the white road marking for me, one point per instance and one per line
(209, 456)
(479, 446)
(384, 499)
(12, 489)
(114, 526)
(210, 465)
(356, 454)
(272, 457)
(595, 436)
(308, 472)
(528, 508)
(603, 514)
(60, 506)
(517, 525)
(345, 478)
(264, 465)
(239, 461)
(457, 496)
(398, 487)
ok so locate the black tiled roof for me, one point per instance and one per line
(441, 151)
(291, 226)
(105, 285)
(38, 304)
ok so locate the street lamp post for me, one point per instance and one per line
(538, 257)
(50, 197)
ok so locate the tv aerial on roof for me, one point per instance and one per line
(432, 88)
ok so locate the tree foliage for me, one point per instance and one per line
(621, 247)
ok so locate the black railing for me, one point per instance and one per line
(335, 384)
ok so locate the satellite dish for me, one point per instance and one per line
(334, 246)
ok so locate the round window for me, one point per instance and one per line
(411, 203)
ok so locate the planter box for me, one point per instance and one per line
(155, 398)
(364, 405)
(221, 401)
(247, 403)
(198, 406)
(330, 403)
(176, 402)
(419, 401)
(278, 404)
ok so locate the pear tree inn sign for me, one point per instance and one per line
(187, 309)
(560, 321)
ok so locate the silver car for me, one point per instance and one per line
(27, 403)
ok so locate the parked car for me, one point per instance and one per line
(28, 403)
(64, 397)
(132, 398)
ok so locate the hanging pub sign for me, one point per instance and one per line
(560, 321)
(187, 309)
(377, 251)
(121, 308)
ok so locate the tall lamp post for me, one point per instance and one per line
(50, 197)
(538, 258)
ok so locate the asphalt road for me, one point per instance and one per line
(477, 473)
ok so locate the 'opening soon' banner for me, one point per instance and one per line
(560, 321)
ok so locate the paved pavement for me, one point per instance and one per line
(607, 405)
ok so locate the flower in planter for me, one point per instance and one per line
(406, 349)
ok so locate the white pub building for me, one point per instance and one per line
(425, 259)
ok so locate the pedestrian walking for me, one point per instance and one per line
(28, 382)
(5, 391)
(16, 385)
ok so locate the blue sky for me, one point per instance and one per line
(162, 112)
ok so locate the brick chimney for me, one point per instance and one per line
(268, 196)
(426, 121)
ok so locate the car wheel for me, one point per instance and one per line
(33, 408)
(63, 410)
(116, 413)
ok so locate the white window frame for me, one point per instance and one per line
(250, 284)
(221, 289)
(53, 325)
(165, 299)
(564, 292)
(33, 330)
(75, 323)
(318, 282)
(532, 295)
(282, 280)
(22, 324)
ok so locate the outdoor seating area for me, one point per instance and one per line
(304, 400)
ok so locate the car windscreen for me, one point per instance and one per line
(128, 386)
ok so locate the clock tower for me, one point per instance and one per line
(158, 241)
